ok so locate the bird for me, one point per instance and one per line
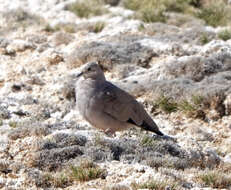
(106, 106)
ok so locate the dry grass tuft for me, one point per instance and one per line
(214, 178)
(88, 8)
(156, 185)
(224, 35)
(86, 171)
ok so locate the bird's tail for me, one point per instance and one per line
(152, 128)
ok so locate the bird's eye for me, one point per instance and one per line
(89, 69)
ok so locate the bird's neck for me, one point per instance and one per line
(96, 82)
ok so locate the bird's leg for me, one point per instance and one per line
(109, 132)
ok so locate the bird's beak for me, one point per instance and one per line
(79, 74)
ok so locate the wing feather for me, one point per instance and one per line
(121, 105)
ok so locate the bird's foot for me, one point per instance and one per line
(109, 132)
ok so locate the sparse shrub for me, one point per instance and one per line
(147, 11)
(97, 27)
(197, 100)
(70, 28)
(156, 185)
(66, 139)
(224, 35)
(88, 8)
(195, 3)
(148, 141)
(86, 171)
(187, 106)
(166, 104)
(157, 162)
(27, 128)
(58, 180)
(169, 162)
(204, 39)
(141, 27)
(98, 140)
(20, 18)
(163, 147)
(149, 15)
(215, 13)
(132, 4)
(54, 158)
(193, 108)
(61, 180)
(176, 5)
(45, 180)
(215, 179)
(117, 187)
(13, 124)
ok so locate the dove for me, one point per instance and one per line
(106, 106)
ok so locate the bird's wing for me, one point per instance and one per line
(122, 106)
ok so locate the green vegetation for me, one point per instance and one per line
(13, 124)
(147, 11)
(204, 39)
(186, 106)
(166, 104)
(58, 180)
(215, 13)
(97, 27)
(156, 185)
(197, 100)
(181, 6)
(141, 27)
(88, 8)
(192, 107)
(225, 35)
(148, 141)
(215, 179)
(70, 28)
(86, 171)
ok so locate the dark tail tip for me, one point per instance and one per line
(147, 127)
(158, 133)
(152, 129)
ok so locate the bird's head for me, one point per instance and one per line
(92, 70)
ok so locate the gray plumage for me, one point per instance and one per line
(107, 107)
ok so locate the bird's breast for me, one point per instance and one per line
(87, 99)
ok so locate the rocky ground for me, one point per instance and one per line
(180, 70)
